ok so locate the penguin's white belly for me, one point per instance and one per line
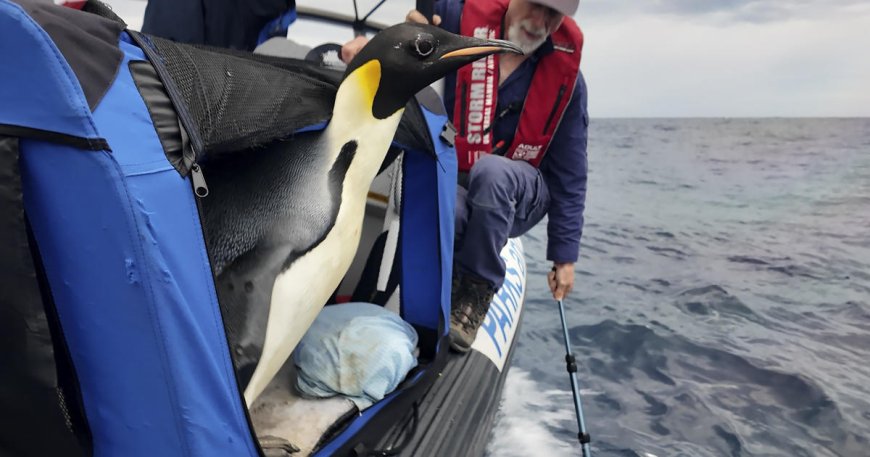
(300, 292)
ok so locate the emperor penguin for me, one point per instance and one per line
(283, 222)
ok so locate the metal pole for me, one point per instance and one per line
(571, 363)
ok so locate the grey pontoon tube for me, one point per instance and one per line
(571, 365)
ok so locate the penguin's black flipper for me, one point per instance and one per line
(265, 208)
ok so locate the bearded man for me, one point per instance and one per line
(521, 125)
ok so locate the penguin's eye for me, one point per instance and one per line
(424, 45)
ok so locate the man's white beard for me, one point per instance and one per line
(516, 36)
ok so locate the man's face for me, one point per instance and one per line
(529, 24)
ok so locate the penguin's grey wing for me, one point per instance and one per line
(265, 208)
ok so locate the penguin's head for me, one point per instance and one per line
(403, 59)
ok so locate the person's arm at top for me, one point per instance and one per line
(224, 23)
(564, 170)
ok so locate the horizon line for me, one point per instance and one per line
(731, 117)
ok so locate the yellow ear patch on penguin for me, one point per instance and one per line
(367, 78)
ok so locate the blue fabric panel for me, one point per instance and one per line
(124, 253)
(427, 230)
(446, 176)
(312, 128)
(420, 303)
(37, 88)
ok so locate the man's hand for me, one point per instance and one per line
(350, 49)
(561, 279)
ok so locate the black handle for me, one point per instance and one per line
(426, 8)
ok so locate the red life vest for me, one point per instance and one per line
(74, 4)
(477, 89)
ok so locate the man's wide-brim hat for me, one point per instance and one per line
(566, 7)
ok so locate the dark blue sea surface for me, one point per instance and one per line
(722, 300)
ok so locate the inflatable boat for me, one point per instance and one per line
(114, 340)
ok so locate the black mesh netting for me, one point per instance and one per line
(237, 103)
(238, 100)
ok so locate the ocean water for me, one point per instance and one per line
(722, 299)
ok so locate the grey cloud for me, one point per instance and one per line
(737, 10)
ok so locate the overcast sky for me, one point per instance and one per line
(686, 58)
